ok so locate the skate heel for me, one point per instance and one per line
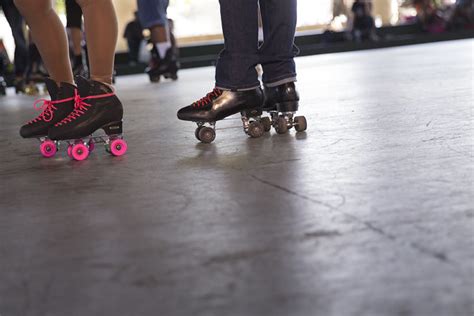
(289, 106)
(114, 128)
(252, 112)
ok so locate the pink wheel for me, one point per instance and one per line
(91, 145)
(79, 152)
(48, 148)
(69, 151)
(118, 147)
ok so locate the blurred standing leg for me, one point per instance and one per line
(153, 15)
(74, 27)
(16, 23)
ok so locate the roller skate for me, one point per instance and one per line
(96, 107)
(3, 86)
(166, 67)
(281, 102)
(53, 111)
(80, 70)
(32, 89)
(220, 104)
(20, 86)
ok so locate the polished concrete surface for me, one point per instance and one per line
(370, 212)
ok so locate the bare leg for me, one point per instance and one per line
(101, 33)
(50, 37)
(161, 38)
(159, 34)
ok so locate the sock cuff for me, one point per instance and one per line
(163, 48)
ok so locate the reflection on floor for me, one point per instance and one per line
(368, 213)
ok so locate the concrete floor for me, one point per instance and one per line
(368, 213)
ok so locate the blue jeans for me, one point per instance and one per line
(236, 63)
(153, 12)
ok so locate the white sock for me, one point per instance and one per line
(163, 48)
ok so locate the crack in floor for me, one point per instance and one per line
(439, 256)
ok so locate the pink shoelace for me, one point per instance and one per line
(80, 107)
(47, 107)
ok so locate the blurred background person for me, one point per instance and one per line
(429, 16)
(153, 16)
(35, 71)
(363, 25)
(4, 63)
(134, 36)
(462, 16)
(16, 23)
(75, 33)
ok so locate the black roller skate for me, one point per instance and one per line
(53, 111)
(96, 107)
(220, 104)
(20, 86)
(3, 86)
(167, 67)
(282, 103)
(80, 70)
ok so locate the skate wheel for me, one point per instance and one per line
(300, 123)
(48, 149)
(196, 132)
(118, 147)
(206, 134)
(155, 79)
(256, 130)
(267, 123)
(281, 126)
(69, 151)
(91, 145)
(172, 76)
(79, 152)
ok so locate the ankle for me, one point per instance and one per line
(106, 80)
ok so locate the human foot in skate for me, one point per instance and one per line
(282, 103)
(167, 67)
(59, 106)
(219, 104)
(96, 107)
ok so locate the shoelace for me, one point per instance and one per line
(47, 107)
(208, 98)
(80, 107)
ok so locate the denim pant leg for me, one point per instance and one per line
(153, 12)
(236, 63)
(15, 20)
(278, 50)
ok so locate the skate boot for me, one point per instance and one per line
(220, 104)
(95, 107)
(282, 103)
(53, 111)
(20, 86)
(3, 86)
(79, 68)
(166, 67)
